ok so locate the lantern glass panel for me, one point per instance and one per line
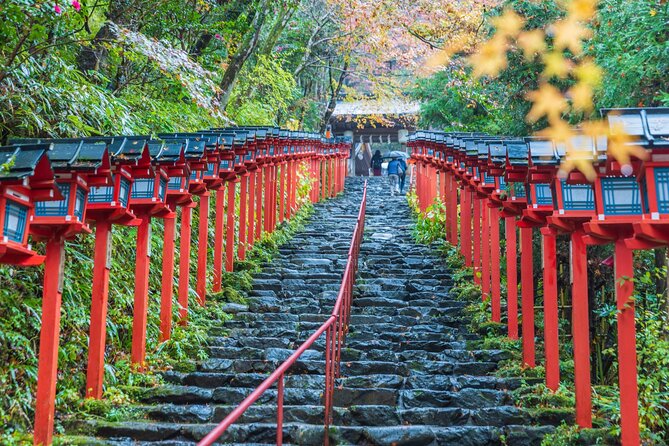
(162, 188)
(174, 183)
(544, 194)
(143, 188)
(54, 208)
(16, 216)
(662, 189)
(80, 203)
(621, 196)
(577, 197)
(124, 191)
(518, 190)
(102, 194)
(488, 179)
(193, 175)
(211, 168)
(502, 183)
(225, 165)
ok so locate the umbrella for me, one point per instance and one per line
(398, 154)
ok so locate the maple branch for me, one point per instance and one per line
(423, 39)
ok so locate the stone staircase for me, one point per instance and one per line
(407, 376)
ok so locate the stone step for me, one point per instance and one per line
(368, 415)
(309, 434)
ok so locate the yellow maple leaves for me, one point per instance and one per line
(560, 51)
(491, 57)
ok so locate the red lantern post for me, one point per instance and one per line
(78, 165)
(575, 205)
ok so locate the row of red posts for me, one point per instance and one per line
(53, 189)
(490, 178)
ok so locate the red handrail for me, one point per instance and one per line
(335, 327)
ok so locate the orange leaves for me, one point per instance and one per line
(555, 64)
(491, 57)
(532, 43)
(508, 24)
(569, 34)
(581, 97)
(546, 101)
(589, 73)
(582, 9)
(622, 148)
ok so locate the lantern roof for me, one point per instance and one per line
(172, 150)
(583, 146)
(227, 139)
(77, 154)
(211, 138)
(22, 161)
(496, 151)
(127, 148)
(241, 137)
(648, 127)
(260, 133)
(516, 152)
(542, 151)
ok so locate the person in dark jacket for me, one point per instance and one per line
(395, 171)
(377, 163)
(404, 174)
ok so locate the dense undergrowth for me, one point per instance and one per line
(652, 347)
(20, 305)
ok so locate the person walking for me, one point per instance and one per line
(394, 172)
(403, 177)
(377, 163)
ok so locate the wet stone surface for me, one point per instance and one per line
(407, 377)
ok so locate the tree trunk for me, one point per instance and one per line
(280, 23)
(244, 51)
(334, 94)
(94, 57)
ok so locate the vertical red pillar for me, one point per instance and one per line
(527, 295)
(258, 186)
(485, 249)
(495, 265)
(324, 178)
(203, 246)
(48, 342)
(446, 198)
(241, 239)
(230, 228)
(290, 184)
(184, 262)
(98, 329)
(627, 362)
(476, 232)
(267, 211)
(218, 240)
(466, 226)
(282, 192)
(580, 324)
(272, 192)
(292, 191)
(332, 178)
(167, 283)
(551, 341)
(511, 277)
(250, 231)
(454, 206)
(141, 302)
